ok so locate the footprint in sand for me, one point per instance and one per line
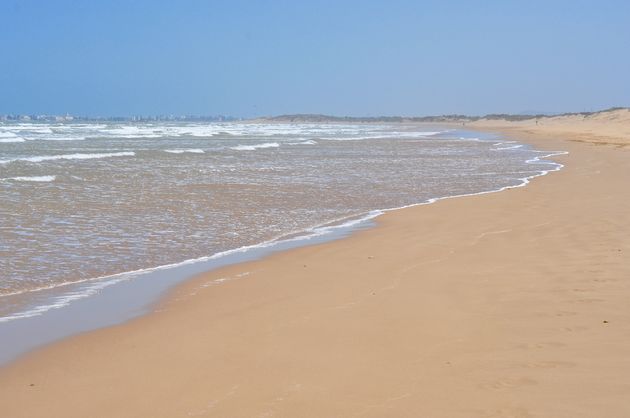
(508, 383)
(575, 329)
(588, 300)
(602, 280)
(529, 346)
(583, 290)
(507, 413)
(566, 313)
(558, 313)
(547, 364)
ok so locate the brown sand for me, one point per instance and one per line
(513, 304)
(601, 128)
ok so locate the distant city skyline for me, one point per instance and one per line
(346, 58)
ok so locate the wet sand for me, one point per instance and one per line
(512, 304)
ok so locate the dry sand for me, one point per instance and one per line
(602, 128)
(513, 304)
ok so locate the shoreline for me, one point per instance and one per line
(144, 288)
(148, 269)
(142, 292)
(338, 328)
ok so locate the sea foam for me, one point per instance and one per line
(10, 137)
(307, 142)
(226, 171)
(386, 135)
(255, 147)
(43, 158)
(36, 179)
(182, 151)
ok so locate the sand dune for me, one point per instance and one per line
(606, 127)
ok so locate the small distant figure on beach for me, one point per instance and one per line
(536, 121)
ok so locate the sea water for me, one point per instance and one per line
(97, 203)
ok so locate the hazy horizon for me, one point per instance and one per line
(232, 117)
(249, 59)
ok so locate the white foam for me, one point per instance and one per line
(98, 283)
(72, 131)
(133, 131)
(507, 148)
(43, 129)
(386, 135)
(59, 138)
(62, 300)
(430, 133)
(11, 139)
(38, 179)
(35, 132)
(197, 131)
(42, 158)
(182, 151)
(6, 137)
(523, 180)
(255, 147)
(307, 142)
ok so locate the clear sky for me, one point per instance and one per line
(264, 57)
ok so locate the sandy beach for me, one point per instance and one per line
(510, 304)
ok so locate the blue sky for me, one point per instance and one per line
(249, 58)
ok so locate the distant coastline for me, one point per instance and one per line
(304, 118)
(74, 118)
(453, 118)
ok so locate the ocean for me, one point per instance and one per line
(97, 203)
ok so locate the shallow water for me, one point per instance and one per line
(81, 201)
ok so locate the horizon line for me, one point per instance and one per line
(220, 117)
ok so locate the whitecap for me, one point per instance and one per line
(42, 158)
(256, 146)
(182, 151)
(507, 148)
(385, 135)
(10, 137)
(35, 179)
(307, 142)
